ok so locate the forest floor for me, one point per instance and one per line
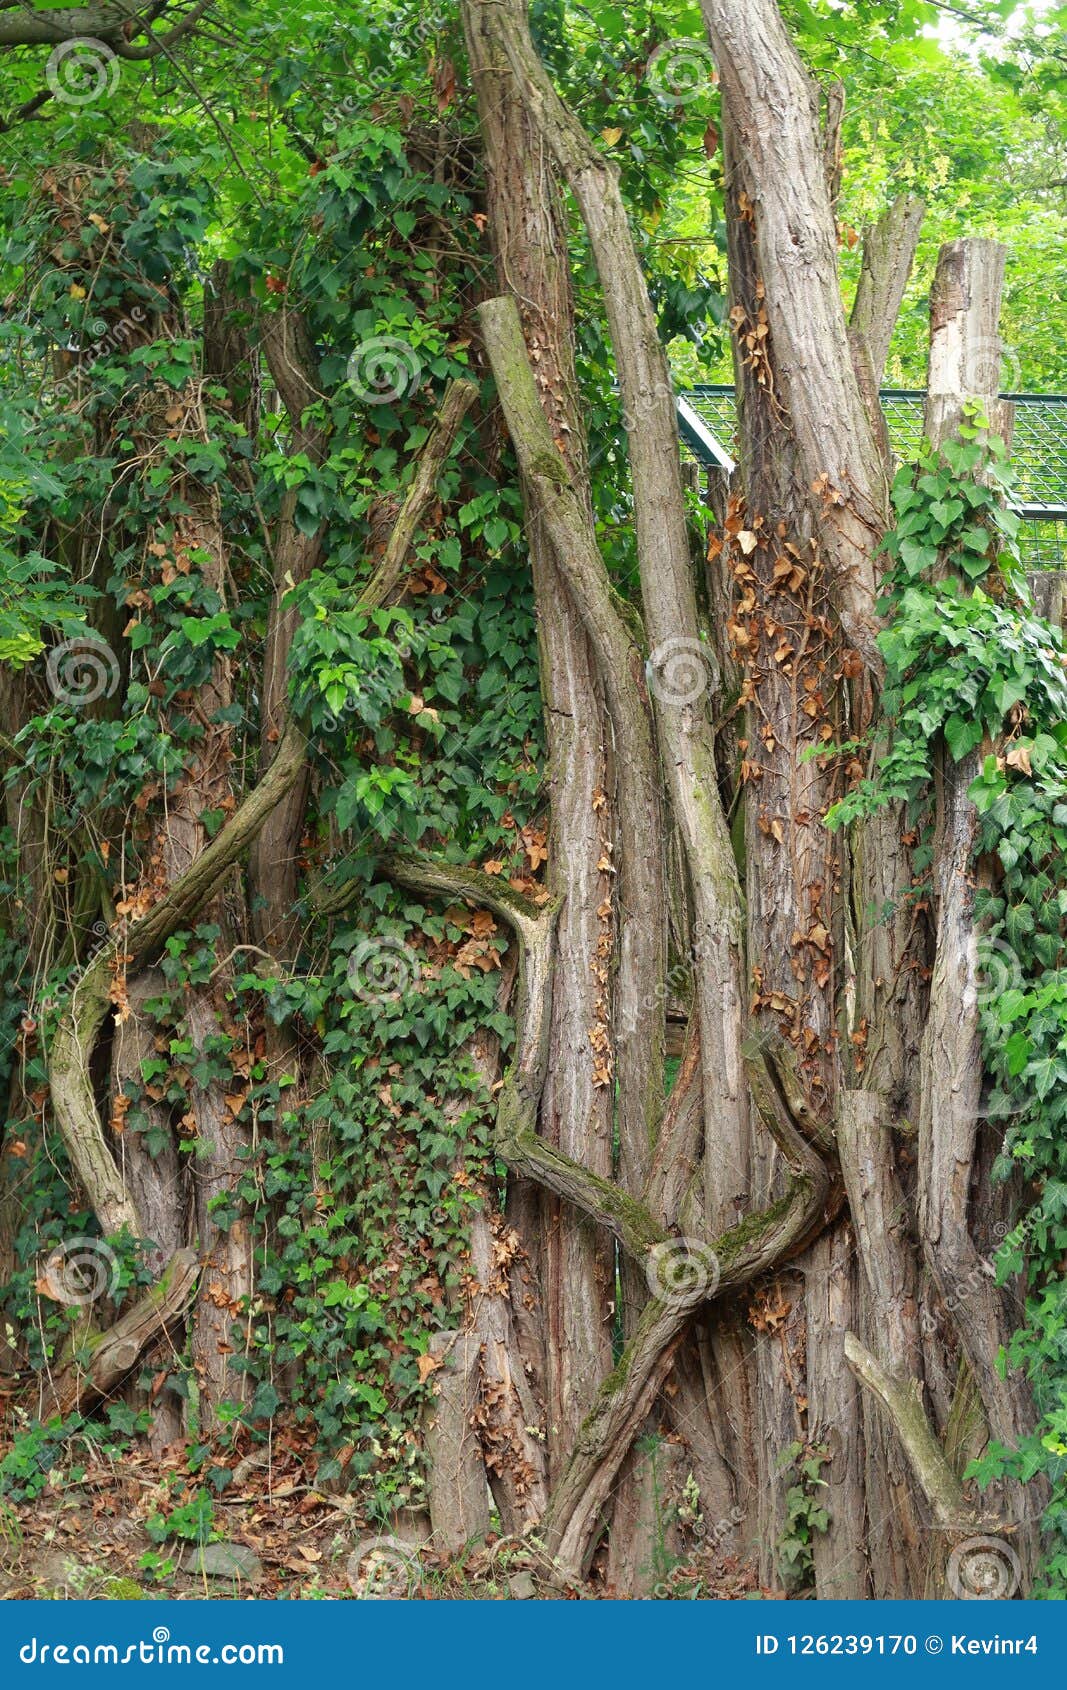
(274, 1536)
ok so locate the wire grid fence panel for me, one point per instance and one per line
(1039, 456)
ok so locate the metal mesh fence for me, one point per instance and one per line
(1039, 455)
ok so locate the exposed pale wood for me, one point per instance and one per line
(114, 1353)
(902, 1401)
(965, 358)
(964, 364)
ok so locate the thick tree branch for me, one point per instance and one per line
(518, 1143)
(774, 112)
(888, 254)
(162, 44)
(569, 524)
(114, 1353)
(69, 1064)
(290, 355)
(113, 24)
(70, 1080)
(672, 624)
(424, 873)
(458, 399)
(902, 1401)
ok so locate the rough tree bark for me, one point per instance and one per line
(575, 1269)
(612, 993)
(965, 360)
(723, 1208)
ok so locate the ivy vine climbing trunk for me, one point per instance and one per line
(736, 1303)
(829, 957)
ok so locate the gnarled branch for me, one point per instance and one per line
(458, 399)
(69, 1076)
(739, 1255)
(114, 1353)
(114, 24)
